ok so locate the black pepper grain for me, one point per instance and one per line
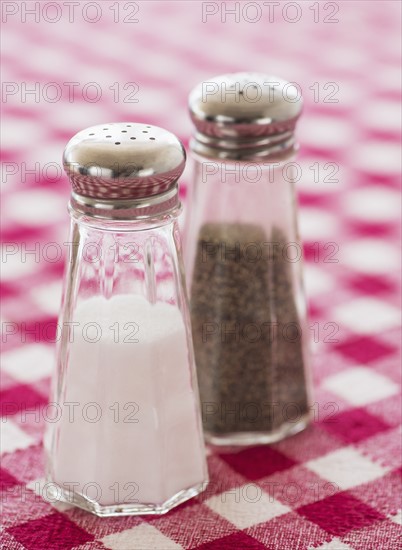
(245, 329)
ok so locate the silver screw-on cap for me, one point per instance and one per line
(244, 115)
(124, 166)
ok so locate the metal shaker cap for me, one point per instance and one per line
(244, 115)
(124, 170)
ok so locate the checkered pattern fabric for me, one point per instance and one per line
(336, 486)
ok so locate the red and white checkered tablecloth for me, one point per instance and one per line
(68, 65)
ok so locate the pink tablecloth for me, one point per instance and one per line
(336, 486)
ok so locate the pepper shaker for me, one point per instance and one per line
(127, 437)
(243, 260)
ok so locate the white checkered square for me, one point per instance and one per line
(346, 468)
(360, 386)
(144, 537)
(397, 518)
(246, 506)
(367, 316)
(29, 363)
(12, 438)
(48, 297)
(334, 544)
(372, 256)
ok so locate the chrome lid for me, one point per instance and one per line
(124, 169)
(244, 115)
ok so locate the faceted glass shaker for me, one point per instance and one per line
(126, 433)
(244, 261)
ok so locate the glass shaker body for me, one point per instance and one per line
(244, 272)
(127, 433)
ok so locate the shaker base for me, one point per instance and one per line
(246, 439)
(129, 509)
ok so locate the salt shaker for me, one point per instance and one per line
(243, 260)
(126, 437)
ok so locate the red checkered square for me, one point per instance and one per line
(6, 480)
(237, 540)
(257, 462)
(354, 425)
(21, 398)
(371, 284)
(53, 532)
(340, 513)
(364, 349)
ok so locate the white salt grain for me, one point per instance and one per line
(135, 429)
